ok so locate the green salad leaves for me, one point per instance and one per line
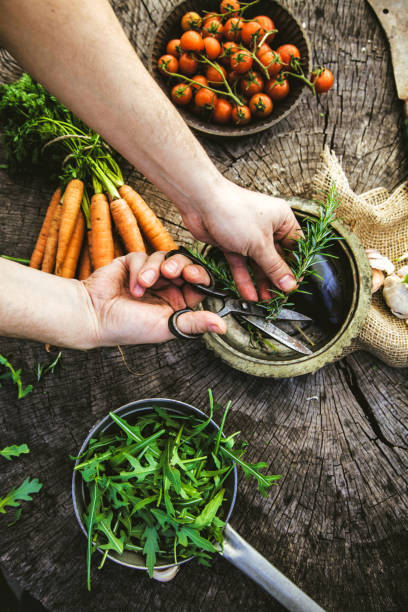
(160, 484)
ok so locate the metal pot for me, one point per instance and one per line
(235, 549)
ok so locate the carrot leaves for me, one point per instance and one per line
(159, 484)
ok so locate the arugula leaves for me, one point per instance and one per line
(17, 494)
(14, 451)
(15, 375)
(159, 486)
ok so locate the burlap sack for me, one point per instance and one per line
(380, 220)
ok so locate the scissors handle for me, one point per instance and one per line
(174, 328)
(206, 289)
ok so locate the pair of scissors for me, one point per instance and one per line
(249, 311)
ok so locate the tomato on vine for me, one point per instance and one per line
(241, 61)
(191, 21)
(188, 64)
(167, 63)
(181, 94)
(212, 47)
(232, 29)
(231, 7)
(272, 63)
(323, 80)
(228, 48)
(173, 47)
(216, 76)
(261, 105)
(286, 53)
(252, 83)
(213, 27)
(199, 82)
(192, 41)
(205, 99)
(268, 25)
(277, 89)
(241, 115)
(222, 111)
(252, 33)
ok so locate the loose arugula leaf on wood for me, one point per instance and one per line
(15, 376)
(14, 451)
(158, 486)
(18, 494)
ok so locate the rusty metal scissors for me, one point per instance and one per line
(250, 311)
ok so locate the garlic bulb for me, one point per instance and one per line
(395, 293)
(379, 262)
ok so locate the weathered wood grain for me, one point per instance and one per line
(337, 522)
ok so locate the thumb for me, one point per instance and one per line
(276, 269)
(201, 321)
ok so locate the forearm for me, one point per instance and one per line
(79, 52)
(39, 306)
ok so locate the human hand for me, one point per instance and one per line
(247, 223)
(134, 296)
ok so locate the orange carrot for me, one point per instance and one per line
(148, 222)
(85, 265)
(126, 225)
(71, 258)
(50, 251)
(71, 204)
(38, 252)
(102, 239)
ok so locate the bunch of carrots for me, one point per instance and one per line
(78, 236)
(96, 217)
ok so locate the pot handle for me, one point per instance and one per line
(241, 554)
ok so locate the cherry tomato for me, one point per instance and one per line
(241, 61)
(323, 80)
(233, 28)
(212, 47)
(181, 94)
(267, 24)
(287, 52)
(213, 76)
(208, 16)
(251, 84)
(222, 111)
(192, 41)
(213, 27)
(277, 89)
(173, 47)
(205, 99)
(241, 115)
(231, 7)
(261, 105)
(188, 64)
(262, 49)
(167, 63)
(272, 63)
(252, 32)
(200, 80)
(191, 21)
(228, 48)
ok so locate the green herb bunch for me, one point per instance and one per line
(157, 486)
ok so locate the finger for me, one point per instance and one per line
(241, 276)
(192, 297)
(289, 231)
(180, 265)
(276, 269)
(134, 262)
(149, 273)
(262, 282)
(200, 322)
(171, 295)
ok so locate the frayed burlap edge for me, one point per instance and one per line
(380, 220)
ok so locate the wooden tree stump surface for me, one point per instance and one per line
(337, 523)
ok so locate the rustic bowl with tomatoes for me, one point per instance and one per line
(189, 33)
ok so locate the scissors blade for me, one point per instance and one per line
(291, 315)
(277, 334)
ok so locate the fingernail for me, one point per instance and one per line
(171, 266)
(287, 283)
(193, 270)
(214, 328)
(138, 290)
(148, 276)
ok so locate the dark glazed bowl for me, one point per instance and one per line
(289, 31)
(352, 267)
(131, 412)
